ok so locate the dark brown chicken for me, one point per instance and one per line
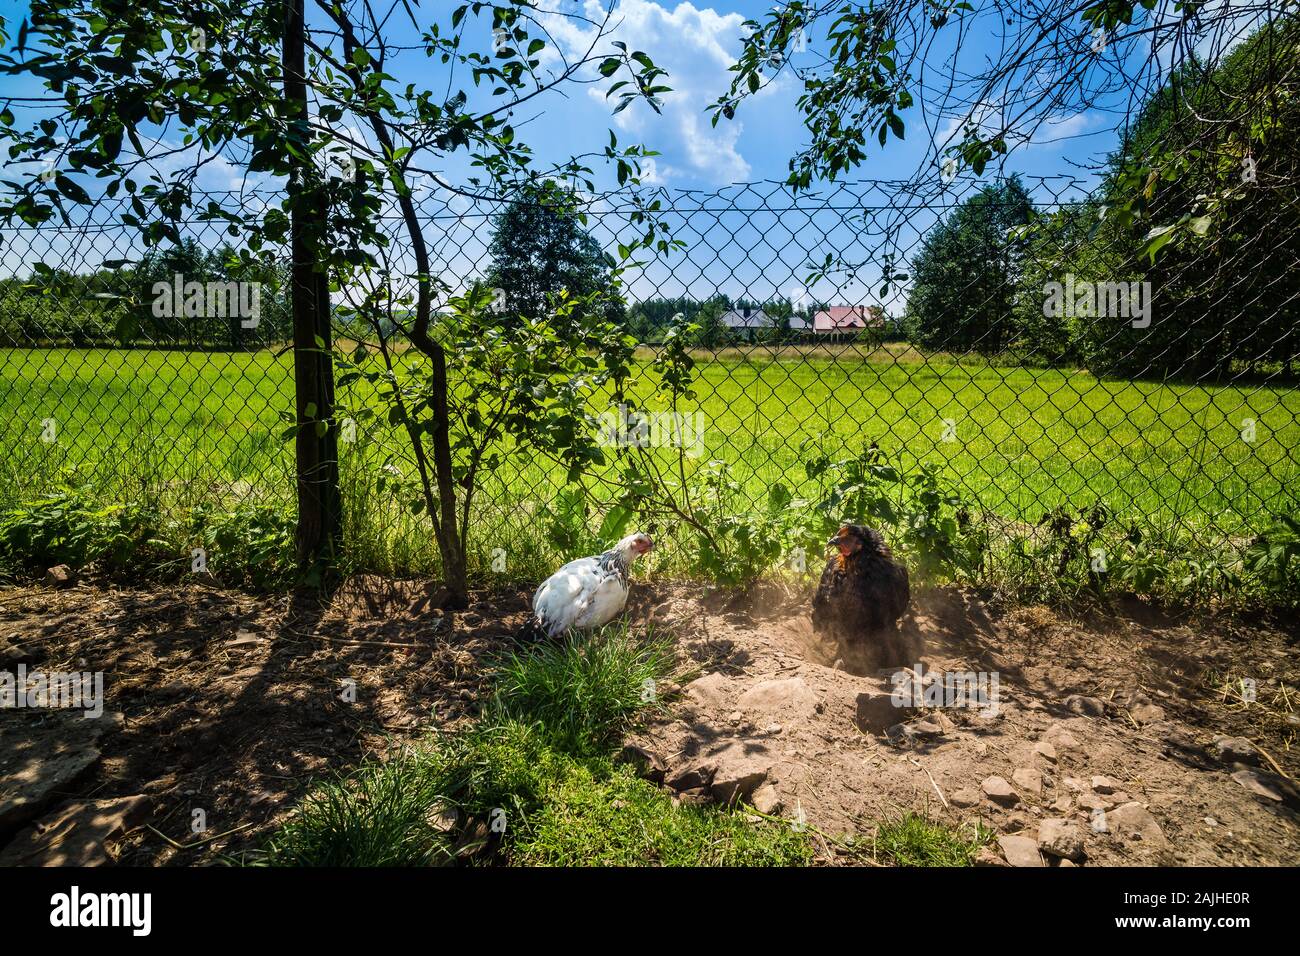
(862, 595)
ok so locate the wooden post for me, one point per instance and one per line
(320, 513)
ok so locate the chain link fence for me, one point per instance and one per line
(1008, 336)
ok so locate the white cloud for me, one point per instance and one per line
(695, 46)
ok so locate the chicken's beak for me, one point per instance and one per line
(834, 542)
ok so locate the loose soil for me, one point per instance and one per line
(230, 704)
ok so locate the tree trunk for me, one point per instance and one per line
(320, 513)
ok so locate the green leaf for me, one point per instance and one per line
(615, 524)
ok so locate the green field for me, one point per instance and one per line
(193, 427)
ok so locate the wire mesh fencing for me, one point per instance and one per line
(1009, 338)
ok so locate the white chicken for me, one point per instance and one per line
(585, 593)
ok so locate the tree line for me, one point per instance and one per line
(1169, 284)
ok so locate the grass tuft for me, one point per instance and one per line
(583, 691)
(382, 814)
(620, 820)
(916, 840)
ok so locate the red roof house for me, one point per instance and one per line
(848, 318)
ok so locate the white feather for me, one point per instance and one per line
(588, 592)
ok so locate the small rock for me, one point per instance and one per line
(711, 690)
(1234, 749)
(963, 798)
(59, 576)
(1063, 863)
(1046, 751)
(44, 759)
(1147, 713)
(1063, 804)
(1132, 821)
(76, 833)
(1104, 785)
(730, 772)
(1020, 851)
(1085, 706)
(791, 694)
(986, 857)
(766, 800)
(1000, 792)
(1093, 801)
(1027, 778)
(1267, 785)
(1061, 838)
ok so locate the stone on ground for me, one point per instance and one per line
(1046, 751)
(76, 834)
(60, 576)
(42, 753)
(775, 696)
(1235, 749)
(1061, 838)
(1000, 792)
(1132, 821)
(1020, 851)
(1266, 785)
(1027, 778)
(1085, 706)
(711, 690)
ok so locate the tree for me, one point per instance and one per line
(1210, 209)
(225, 77)
(860, 67)
(540, 247)
(964, 278)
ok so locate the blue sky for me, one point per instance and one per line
(696, 43)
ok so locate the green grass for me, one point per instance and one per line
(196, 427)
(912, 839)
(582, 690)
(621, 821)
(540, 761)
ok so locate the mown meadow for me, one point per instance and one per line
(190, 428)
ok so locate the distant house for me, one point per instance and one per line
(746, 321)
(848, 319)
(746, 318)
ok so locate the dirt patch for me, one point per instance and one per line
(230, 704)
(1106, 727)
